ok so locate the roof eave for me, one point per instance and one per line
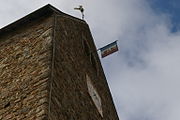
(44, 11)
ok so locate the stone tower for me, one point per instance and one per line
(49, 70)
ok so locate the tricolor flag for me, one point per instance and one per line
(109, 49)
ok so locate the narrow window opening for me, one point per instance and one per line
(94, 95)
(86, 48)
(90, 55)
(93, 61)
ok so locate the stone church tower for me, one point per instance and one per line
(49, 70)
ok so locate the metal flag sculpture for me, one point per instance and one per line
(81, 9)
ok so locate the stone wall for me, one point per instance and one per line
(75, 58)
(49, 69)
(25, 61)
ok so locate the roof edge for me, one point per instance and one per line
(43, 11)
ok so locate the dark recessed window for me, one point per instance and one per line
(86, 48)
(93, 61)
(90, 55)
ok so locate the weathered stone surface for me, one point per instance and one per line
(24, 72)
(43, 69)
(70, 99)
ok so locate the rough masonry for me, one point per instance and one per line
(49, 70)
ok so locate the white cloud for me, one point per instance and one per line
(144, 79)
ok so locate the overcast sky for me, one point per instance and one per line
(144, 76)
